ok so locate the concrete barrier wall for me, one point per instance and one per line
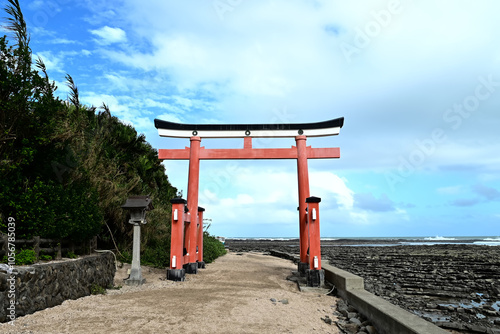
(387, 318)
(49, 284)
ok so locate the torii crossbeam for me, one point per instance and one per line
(195, 153)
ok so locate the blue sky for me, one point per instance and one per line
(418, 83)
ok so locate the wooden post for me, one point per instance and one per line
(93, 244)
(58, 252)
(36, 246)
(5, 246)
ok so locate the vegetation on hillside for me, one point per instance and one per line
(66, 168)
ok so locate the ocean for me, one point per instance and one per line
(390, 241)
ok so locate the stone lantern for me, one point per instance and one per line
(137, 206)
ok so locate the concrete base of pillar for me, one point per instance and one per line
(191, 268)
(315, 278)
(302, 268)
(135, 281)
(176, 275)
(201, 264)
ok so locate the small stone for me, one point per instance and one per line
(488, 307)
(351, 328)
(284, 301)
(431, 306)
(371, 330)
(351, 315)
(273, 300)
(351, 309)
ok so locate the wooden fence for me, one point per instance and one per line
(52, 247)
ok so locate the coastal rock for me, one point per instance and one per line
(327, 320)
(371, 330)
(351, 321)
(351, 328)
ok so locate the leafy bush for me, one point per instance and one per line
(125, 256)
(212, 248)
(71, 255)
(44, 257)
(96, 289)
(158, 257)
(51, 210)
(25, 256)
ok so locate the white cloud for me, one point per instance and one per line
(62, 41)
(36, 4)
(236, 203)
(120, 106)
(169, 118)
(62, 89)
(327, 184)
(53, 62)
(451, 190)
(109, 35)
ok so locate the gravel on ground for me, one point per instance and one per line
(238, 293)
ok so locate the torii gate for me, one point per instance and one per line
(186, 253)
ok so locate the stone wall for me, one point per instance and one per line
(49, 284)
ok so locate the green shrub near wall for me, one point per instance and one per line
(23, 257)
(212, 248)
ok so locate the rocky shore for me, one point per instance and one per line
(456, 286)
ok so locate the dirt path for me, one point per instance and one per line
(232, 295)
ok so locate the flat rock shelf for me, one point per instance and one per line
(455, 286)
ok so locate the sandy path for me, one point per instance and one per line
(232, 295)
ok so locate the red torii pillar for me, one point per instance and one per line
(303, 178)
(179, 216)
(191, 264)
(315, 275)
